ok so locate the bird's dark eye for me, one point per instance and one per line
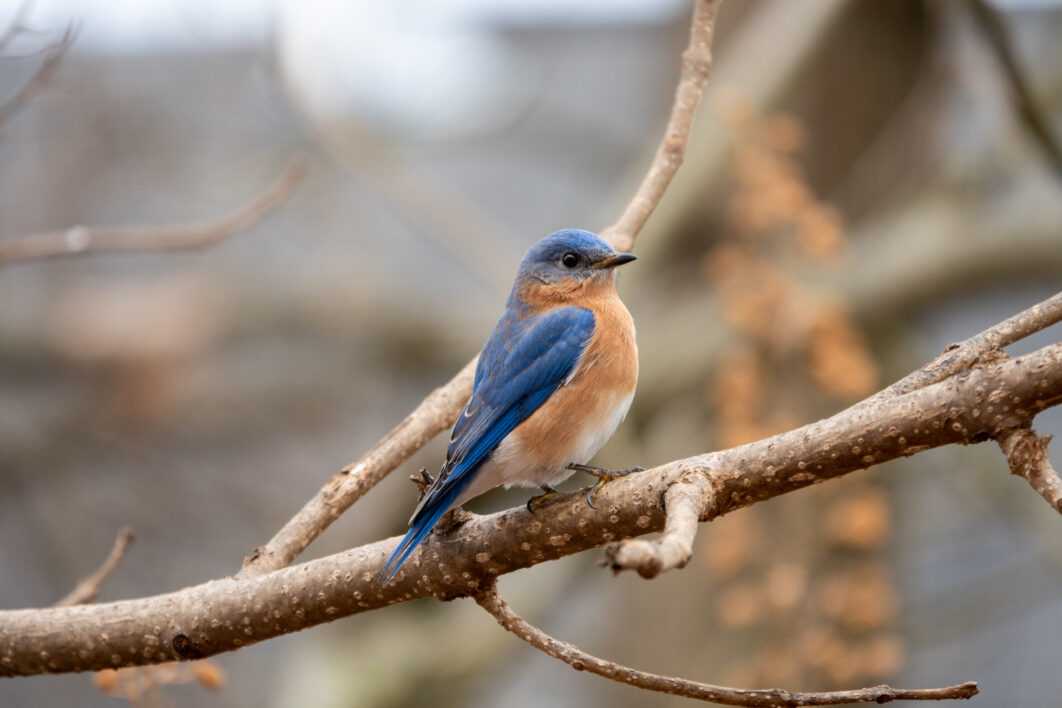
(570, 260)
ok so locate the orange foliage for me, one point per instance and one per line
(138, 684)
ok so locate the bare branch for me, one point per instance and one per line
(1032, 115)
(25, 93)
(83, 239)
(88, 587)
(673, 549)
(436, 413)
(17, 23)
(492, 602)
(956, 358)
(1027, 456)
(223, 615)
(441, 408)
(696, 65)
(685, 501)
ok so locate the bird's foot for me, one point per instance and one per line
(548, 493)
(603, 476)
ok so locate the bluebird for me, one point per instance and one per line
(554, 380)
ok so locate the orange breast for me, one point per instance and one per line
(580, 416)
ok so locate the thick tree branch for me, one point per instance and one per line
(673, 549)
(495, 605)
(439, 410)
(991, 398)
(89, 587)
(696, 65)
(82, 239)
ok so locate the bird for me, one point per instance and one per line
(553, 382)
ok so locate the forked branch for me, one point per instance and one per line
(53, 56)
(1027, 456)
(89, 587)
(685, 502)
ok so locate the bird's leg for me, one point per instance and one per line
(603, 476)
(548, 493)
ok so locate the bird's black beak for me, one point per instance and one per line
(616, 260)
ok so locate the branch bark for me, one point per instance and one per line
(222, 615)
(685, 501)
(83, 239)
(579, 660)
(1027, 456)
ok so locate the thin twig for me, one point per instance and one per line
(436, 413)
(1027, 456)
(16, 24)
(685, 501)
(579, 660)
(1032, 115)
(696, 65)
(88, 587)
(956, 358)
(40, 78)
(82, 239)
(439, 410)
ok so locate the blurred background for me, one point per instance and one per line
(866, 183)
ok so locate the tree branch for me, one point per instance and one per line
(685, 501)
(222, 615)
(492, 602)
(696, 65)
(82, 239)
(40, 78)
(89, 587)
(956, 358)
(439, 410)
(1027, 456)
(16, 24)
(1032, 116)
(435, 414)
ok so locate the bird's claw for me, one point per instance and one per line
(603, 476)
(538, 500)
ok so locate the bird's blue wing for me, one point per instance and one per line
(521, 366)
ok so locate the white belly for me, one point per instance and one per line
(513, 464)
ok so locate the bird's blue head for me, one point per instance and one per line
(568, 260)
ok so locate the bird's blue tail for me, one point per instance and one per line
(420, 528)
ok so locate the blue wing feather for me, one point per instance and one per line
(522, 364)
